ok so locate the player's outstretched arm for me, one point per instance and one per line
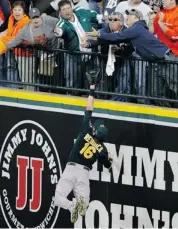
(90, 100)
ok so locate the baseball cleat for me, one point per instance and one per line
(74, 212)
(81, 206)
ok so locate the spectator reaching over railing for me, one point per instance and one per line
(8, 64)
(39, 31)
(72, 27)
(5, 11)
(146, 46)
(74, 24)
(117, 67)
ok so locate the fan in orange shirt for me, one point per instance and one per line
(17, 21)
(8, 64)
(166, 25)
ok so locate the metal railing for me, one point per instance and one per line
(60, 71)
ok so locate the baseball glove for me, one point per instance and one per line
(93, 76)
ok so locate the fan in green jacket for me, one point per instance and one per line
(73, 24)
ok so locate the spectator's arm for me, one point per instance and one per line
(4, 4)
(17, 40)
(91, 43)
(152, 17)
(60, 28)
(170, 32)
(127, 34)
(151, 26)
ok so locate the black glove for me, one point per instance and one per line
(93, 76)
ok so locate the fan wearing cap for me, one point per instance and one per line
(34, 15)
(38, 31)
(87, 149)
(145, 43)
(134, 4)
(146, 46)
(133, 16)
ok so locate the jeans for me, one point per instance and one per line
(26, 67)
(75, 68)
(72, 70)
(164, 75)
(12, 73)
(8, 69)
(2, 69)
(171, 73)
(123, 77)
(140, 71)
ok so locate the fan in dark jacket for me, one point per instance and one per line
(146, 46)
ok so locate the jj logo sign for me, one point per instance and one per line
(30, 170)
(37, 166)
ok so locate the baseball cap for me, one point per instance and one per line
(98, 122)
(34, 12)
(137, 13)
(101, 132)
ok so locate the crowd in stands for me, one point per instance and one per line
(143, 29)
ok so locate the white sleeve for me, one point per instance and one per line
(54, 4)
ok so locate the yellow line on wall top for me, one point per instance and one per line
(78, 101)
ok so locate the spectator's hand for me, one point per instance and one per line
(156, 9)
(3, 34)
(115, 48)
(84, 43)
(58, 32)
(151, 16)
(3, 47)
(161, 17)
(94, 33)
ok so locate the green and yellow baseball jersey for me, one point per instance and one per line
(87, 149)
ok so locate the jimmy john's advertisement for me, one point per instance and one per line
(139, 191)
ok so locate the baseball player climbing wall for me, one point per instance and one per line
(141, 189)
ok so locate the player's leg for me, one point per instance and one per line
(82, 191)
(64, 187)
